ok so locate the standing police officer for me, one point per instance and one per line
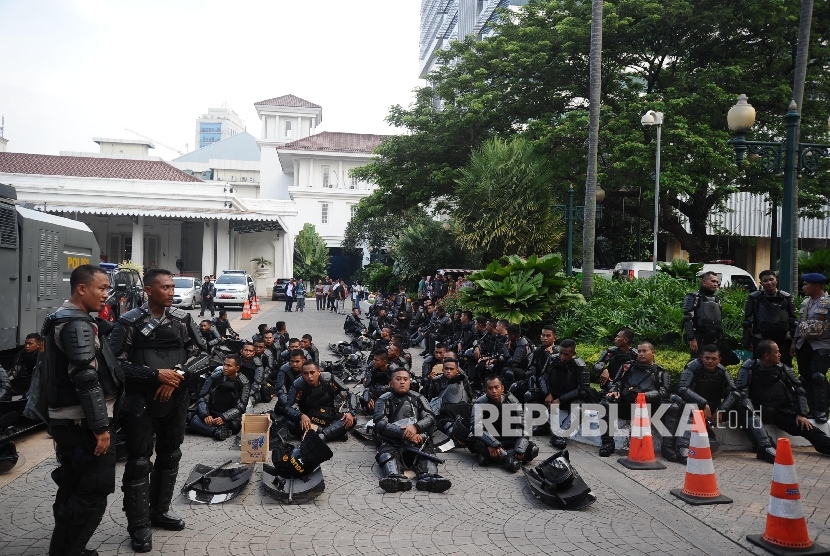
(811, 344)
(161, 348)
(769, 314)
(82, 385)
(703, 315)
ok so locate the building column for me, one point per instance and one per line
(208, 247)
(311, 172)
(299, 129)
(223, 251)
(264, 127)
(138, 240)
(341, 179)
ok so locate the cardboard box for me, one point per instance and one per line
(255, 445)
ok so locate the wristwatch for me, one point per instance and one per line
(179, 369)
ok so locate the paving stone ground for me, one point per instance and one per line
(487, 511)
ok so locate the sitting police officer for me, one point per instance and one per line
(288, 374)
(82, 384)
(451, 399)
(566, 380)
(706, 383)
(635, 377)
(222, 401)
(210, 335)
(160, 348)
(223, 326)
(251, 367)
(317, 396)
(519, 350)
(774, 389)
(404, 422)
(613, 358)
(376, 381)
(354, 324)
(509, 448)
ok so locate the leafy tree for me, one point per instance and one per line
(687, 58)
(817, 261)
(311, 256)
(521, 291)
(504, 199)
(413, 259)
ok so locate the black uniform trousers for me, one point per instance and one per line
(786, 422)
(84, 482)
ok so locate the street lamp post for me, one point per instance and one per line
(798, 158)
(571, 214)
(649, 119)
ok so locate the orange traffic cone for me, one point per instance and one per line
(701, 485)
(786, 531)
(641, 448)
(246, 311)
(254, 306)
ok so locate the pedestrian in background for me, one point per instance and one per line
(208, 294)
(300, 295)
(289, 295)
(318, 293)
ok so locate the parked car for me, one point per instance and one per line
(728, 275)
(187, 292)
(125, 294)
(279, 288)
(606, 273)
(234, 288)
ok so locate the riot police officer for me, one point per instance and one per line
(288, 374)
(519, 350)
(451, 398)
(161, 348)
(774, 389)
(635, 377)
(612, 358)
(703, 315)
(510, 449)
(769, 314)
(376, 381)
(82, 384)
(317, 396)
(404, 421)
(209, 334)
(707, 384)
(222, 401)
(566, 380)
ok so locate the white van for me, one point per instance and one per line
(728, 275)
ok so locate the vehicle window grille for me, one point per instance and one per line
(47, 260)
(8, 226)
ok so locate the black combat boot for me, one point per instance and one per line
(162, 485)
(137, 510)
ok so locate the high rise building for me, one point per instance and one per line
(443, 21)
(216, 125)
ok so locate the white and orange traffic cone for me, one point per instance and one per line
(254, 306)
(641, 448)
(246, 311)
(786, 530)
(701, 485)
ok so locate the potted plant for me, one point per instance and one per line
(262, 262)
(262, 265)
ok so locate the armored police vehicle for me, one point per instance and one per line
(38, 252)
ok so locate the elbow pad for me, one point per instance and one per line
(91, 398)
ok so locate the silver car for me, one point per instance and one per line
(187, 293)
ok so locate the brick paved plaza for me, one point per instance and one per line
(487, 511)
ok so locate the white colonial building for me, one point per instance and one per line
(212, 209)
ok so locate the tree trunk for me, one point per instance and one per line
(804, 23)
(589, 230)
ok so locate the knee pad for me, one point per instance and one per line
(521, 446)
(137, 468)
(531, 452)
(169, 461)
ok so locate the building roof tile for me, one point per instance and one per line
(287, 100)
(89, 167)
(334, 141)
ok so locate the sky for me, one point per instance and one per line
(71, 70)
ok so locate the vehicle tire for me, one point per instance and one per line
(192, 303)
